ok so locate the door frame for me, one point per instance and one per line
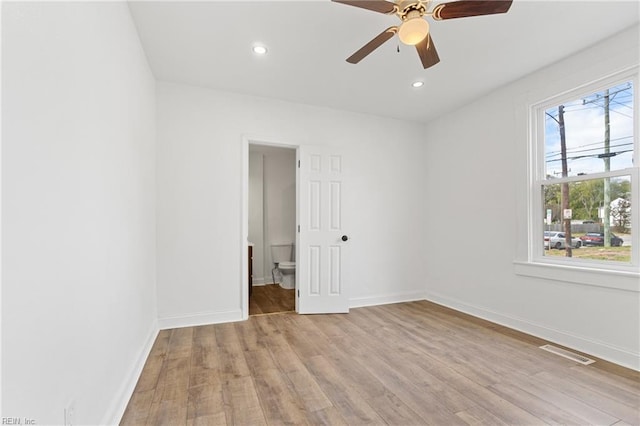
(244, 226)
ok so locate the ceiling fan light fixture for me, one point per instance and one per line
(413, 30)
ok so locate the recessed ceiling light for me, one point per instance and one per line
(259, 49)
(417, 84)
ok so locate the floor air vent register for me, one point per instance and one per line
(566, 354)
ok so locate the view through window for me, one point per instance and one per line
(587, 178)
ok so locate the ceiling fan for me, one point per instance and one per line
(414, 29)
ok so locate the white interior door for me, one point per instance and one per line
(322, 240)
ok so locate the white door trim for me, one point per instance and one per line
(244, 225)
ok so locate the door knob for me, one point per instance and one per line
(345, 238)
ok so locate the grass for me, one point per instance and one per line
(616, 254)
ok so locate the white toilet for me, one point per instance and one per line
(283, 256)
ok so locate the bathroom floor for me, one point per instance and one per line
(270, 298)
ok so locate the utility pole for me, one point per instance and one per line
(565, 186)
(606, 156)
(607, 181)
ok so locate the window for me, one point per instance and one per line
(585, 176)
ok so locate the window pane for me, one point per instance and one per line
(598, 133)
(580, 207)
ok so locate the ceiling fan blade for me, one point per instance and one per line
(427, 52)
(372, 45)
(467, 8)
(381, 6)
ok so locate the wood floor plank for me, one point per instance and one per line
(205, 401)
(311, 395)
(327, 416)
(496, 358)
(568, 403)
(259, 361)
(624, 388)
(477, 416)
(504, 352)
(150, 373)
(394, 411)
(180, 343)
(205, 359)
(601, 382)
(241, 403)
(213, 420)
(174, 382)
(161, 344)
(138, 408)
(540, 408)
(349, 404)
(403, 364)
(421, 392)
(168, 412)
(286, 360)
(606, 403)
(271, 298)
(279, 403)
(249, 335)
(480, 394)
(232, 360)
(455, 358)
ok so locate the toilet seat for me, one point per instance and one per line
(287, 265)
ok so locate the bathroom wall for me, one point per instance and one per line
(272, 183)
(279, 201)
(256, 214)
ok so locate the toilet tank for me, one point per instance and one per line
(281, 252)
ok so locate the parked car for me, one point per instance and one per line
(557, 240)
(597, 239)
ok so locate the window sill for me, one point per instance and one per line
(607, 278)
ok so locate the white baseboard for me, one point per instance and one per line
(598, 349)
(201, 318)
(359, 302)
(260, 281)
(115, 412)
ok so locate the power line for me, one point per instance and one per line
(578, 157)
(591, 149)
(592, 144)
(610, 98)
(612, 110)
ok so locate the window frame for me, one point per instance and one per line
(537, 179)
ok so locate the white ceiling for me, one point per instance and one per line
(208, 43)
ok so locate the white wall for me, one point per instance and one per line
(272, 182)
(476, 164)
(78, 199)
(256, 214)
(200, 202)
(279, 201)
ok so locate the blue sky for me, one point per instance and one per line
(584, 130)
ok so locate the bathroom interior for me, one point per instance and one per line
(272, 229)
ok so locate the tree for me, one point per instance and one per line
(620, 189)
(586, 197)
(621, 213)
(552, 201)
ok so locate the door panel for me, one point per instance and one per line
(322, 253)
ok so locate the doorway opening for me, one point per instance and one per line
(271, 228)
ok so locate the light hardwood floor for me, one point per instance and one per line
(404, 364)
(270, 298)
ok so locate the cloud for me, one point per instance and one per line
(585, 133)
